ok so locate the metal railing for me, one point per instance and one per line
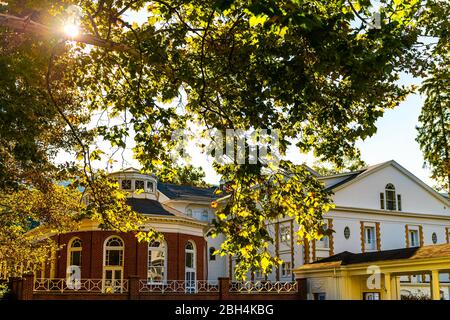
(263, 287)
(179, 286)
(82, 285)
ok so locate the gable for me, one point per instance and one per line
(364, 192)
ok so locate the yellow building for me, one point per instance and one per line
(375, 275)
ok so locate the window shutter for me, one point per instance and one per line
(382, 200)
(399, 202)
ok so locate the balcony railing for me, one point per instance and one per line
(82, 285)
(179, 286)
(103, 286)
(263, 287)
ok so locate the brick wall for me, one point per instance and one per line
(135, 255)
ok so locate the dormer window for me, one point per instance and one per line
(205, 215)
(389, 199)
(150, 186)
(139, 184)
(126, 184)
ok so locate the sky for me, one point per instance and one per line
(394, 139)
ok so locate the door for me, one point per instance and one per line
(112, 278)
(113, 265)
(189, 268)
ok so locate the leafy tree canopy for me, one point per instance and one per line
(316, 71)
(184, 175)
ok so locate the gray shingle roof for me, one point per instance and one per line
(148, 206)
(184, 192)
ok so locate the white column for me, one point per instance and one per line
(435, 288)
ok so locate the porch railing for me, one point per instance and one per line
(179, 286)
(263, 287)
(81, 285)
(169, 286)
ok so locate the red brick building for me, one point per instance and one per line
(92, 253)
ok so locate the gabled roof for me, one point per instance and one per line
(352, 177)
(348, 258)
(185, 192)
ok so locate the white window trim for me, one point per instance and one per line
(105, 248)
(162, 248)
(286, 272)
(373, 244)
(416, 231)
(112, 268)
(70, 250)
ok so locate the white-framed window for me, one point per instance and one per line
(74, 251)
(114, 251)
(74, 254)
(157, 264)
(390, 197)
(324, 242)
(150, 186)
(190, 267)
(139, 185)
(414, 238)
(285, 234)
(126, 184)
(205, 215)
(369, 238)
(286, 269)
(189, 212)
(113, 264)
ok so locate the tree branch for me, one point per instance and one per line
(25, 25)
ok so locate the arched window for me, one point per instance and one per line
(114, 252)
(74, 252)
(190, 269)
(390, 197)
(157, 253)
(113, 264)
(212, 256)
(205, 215)
(189, 212)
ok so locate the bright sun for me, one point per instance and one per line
(71, 30)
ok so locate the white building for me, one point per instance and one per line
(381, 207)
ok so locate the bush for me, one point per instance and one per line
(4, 290)
(419, 296)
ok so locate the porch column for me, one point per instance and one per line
(435, 288)
(395, 287)
(387, 286)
